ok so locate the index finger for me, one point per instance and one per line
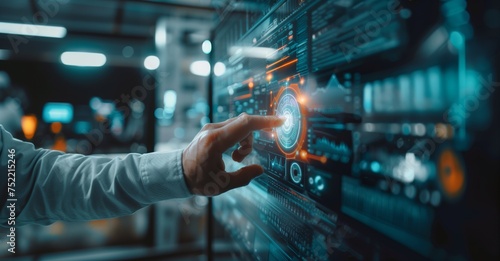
(238, 129)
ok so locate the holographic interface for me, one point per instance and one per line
(287, 106)
(370, 157)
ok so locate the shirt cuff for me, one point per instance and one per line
(163, 176)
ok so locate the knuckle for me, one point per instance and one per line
(204, 137)
(245, 118)
(209, 138)
(207, 126)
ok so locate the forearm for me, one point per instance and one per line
(54, 186)
(83, 188)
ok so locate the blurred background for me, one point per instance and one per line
(108, 77)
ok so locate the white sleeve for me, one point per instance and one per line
(51, 185)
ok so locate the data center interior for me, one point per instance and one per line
(388, 150)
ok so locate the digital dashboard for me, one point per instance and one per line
(383, 102)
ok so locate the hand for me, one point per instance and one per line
(204, 168)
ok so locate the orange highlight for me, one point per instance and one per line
(278, 61)
(303, 154)
(451, 174)
(56, 127)
(306, 156)
(269, 77)
(250, 83)
(281, 48)
(244, 96)
(444, 131)
(59, 144)
(321, 159)
(284, 65)
(248, 80)
(28, 125)
(99, 118)
(302, 99)
(294, 88)
(277, 50)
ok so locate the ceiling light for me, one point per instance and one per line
(161, 34)
(219, 69)
(152, 62)
(200, 68)
(83, 59)
(206, 46)
(33, 30)
(254, 52)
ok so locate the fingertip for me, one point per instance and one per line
(252, 171)
(236, 156)
(257, 170)
(275, 121)
(245, 175)
(280, 121)
(261, 171)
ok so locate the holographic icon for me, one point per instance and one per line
(290, 135)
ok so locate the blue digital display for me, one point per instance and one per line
(57, 112)
(82, 127)
(384, 135)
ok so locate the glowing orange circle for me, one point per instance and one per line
(451, 174)
(302, 135)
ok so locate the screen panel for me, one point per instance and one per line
(372, 160)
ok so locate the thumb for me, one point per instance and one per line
(244, 175)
